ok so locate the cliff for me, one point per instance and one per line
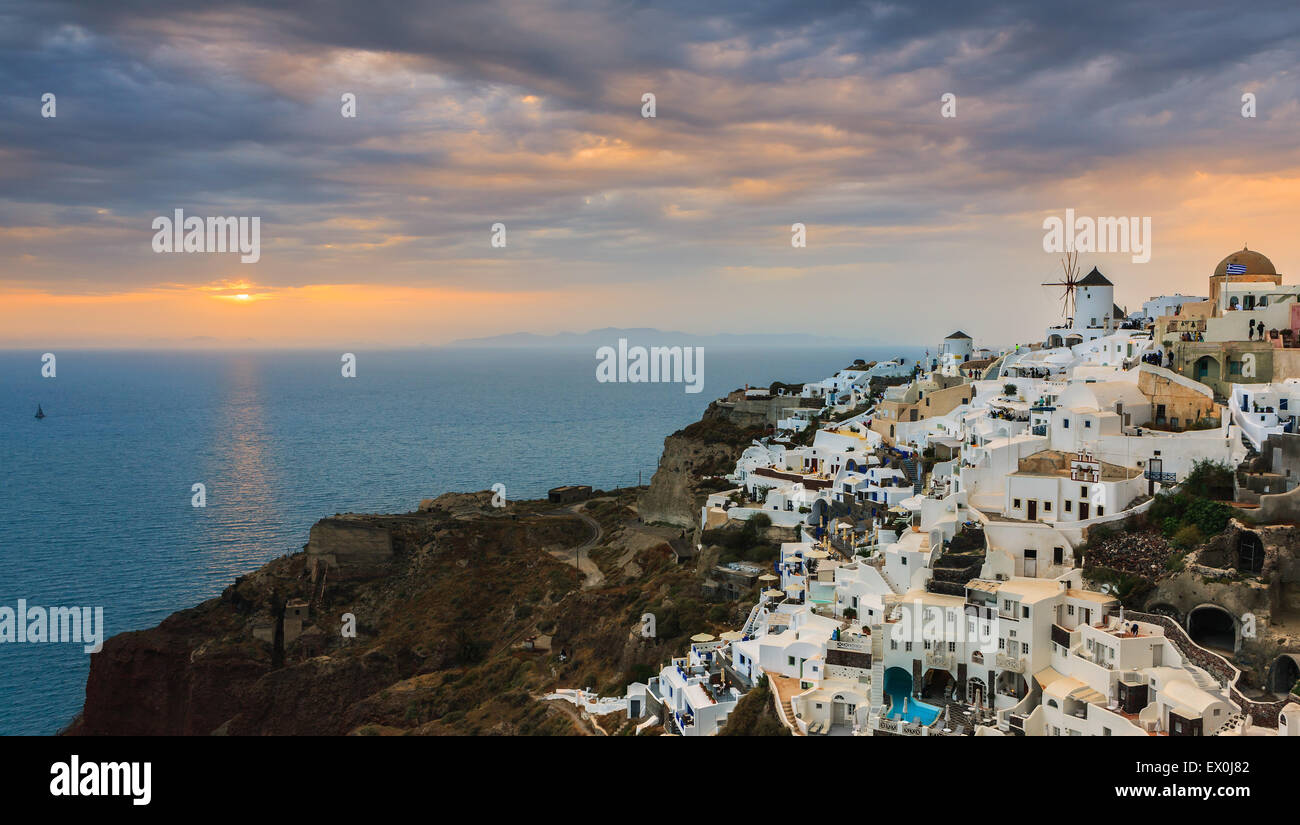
(709, 447)
(461, 613)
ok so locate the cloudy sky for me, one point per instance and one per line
(376, 229)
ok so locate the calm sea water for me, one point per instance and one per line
(95, 500)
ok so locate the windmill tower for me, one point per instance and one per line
(1070, 281)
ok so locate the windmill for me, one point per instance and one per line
(1070, 280)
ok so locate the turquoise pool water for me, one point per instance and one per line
(898, 687)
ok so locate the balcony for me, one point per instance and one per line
(941, 659)
(1015, 664)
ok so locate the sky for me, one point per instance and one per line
(376, 230)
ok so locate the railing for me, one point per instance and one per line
(1163, 478)
(938, 658)
(1015, 664)
(1261, 712)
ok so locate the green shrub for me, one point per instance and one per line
(1187, 537)
(1210, 479)
(1210, 516)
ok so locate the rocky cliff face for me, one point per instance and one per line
(428, 591)
(710, 447)
(443, 601)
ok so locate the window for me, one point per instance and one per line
(907, 647)
(1101, 511)
(1002, 644)
(952, 648)
(1024, 648)
(1087, 423)
(1234, 368)
(1047, 506)
(1069, 610)
(893, 644)
(1015, 504)
(1069, 506)
(1024, 613)
(1065, 423)
(1083, 492)
(789, 660)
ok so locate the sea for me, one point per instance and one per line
(97, 498)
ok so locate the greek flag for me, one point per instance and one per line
(1236, 269)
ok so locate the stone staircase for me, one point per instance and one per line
(878, 668)
(912, 468)
(783, 690)
(952, 571)
(1230, 725)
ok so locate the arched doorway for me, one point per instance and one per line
(937, 684)
(1073, 340)
(1212, 627)
(1205, 369)
(1284, 673)
(1054, 341)
(1166, 610)
(977, 693)
(1250, 553)
(844, 709)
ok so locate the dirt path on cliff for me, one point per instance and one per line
(583, 721)
(580, 555)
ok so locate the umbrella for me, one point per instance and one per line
(773, 593)
(702, 637)
(767, 577)
(732, 635)
(817, 554)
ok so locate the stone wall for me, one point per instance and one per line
(1261, 713)
(348, 548)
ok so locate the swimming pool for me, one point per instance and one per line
(898, 687)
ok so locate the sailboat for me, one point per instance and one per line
(39, 412)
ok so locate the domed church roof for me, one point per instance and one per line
(1255, 263)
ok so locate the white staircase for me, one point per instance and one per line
(877, 668)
